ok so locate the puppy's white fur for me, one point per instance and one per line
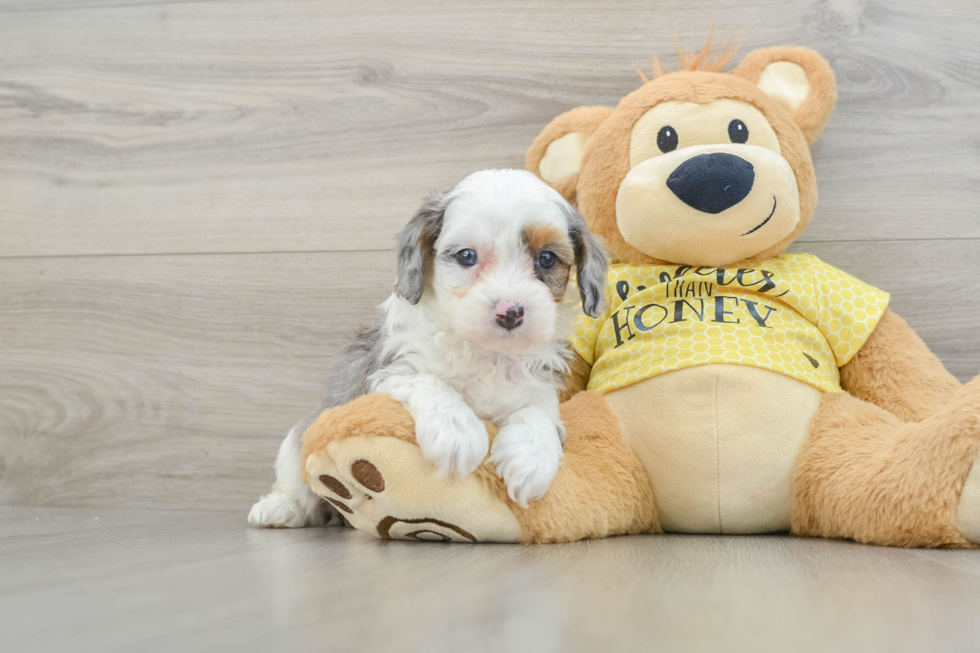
(455, 366)
(291, 504)
(448, 359)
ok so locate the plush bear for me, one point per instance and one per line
(729, 387)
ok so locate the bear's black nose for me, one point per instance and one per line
(712, 182)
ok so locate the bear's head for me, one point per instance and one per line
(697, 167)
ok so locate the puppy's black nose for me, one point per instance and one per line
(712, 182)
(510, 318)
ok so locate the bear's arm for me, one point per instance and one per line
(896, 371)
(577, 378)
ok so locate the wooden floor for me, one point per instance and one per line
(122, 580)
(198, 200)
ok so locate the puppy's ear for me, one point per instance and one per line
(416, 247)
(556, 154)
(591, 262)
(799, 79)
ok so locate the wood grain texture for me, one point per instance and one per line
(198, 199)
(107, 581)
(168, 383)
(142, 127)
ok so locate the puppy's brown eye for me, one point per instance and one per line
(466, 257)
(547, 260)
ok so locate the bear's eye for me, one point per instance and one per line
(737, 131)
(667, 139)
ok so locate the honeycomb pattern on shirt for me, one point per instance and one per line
(793, 314)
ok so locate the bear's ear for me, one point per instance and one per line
(556, 154)
(799, 79)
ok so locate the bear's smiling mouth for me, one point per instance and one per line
(763, 223)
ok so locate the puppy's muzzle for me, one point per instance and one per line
(712, 182)
(510, 317)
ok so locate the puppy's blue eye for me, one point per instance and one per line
(466, 257)
(547, 260)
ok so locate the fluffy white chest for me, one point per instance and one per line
(493, 384)
(495, 389)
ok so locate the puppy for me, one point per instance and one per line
(476, 330)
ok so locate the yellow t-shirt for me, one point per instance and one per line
(793, 314)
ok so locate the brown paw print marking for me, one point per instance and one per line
(430, 530)
(340, 506)
(367, 475)
(335, 486)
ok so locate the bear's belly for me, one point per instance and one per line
(720, 443)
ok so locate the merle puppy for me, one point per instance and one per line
(476, 330)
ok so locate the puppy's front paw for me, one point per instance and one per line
(527, 460)
(276, 510)
(455, 440)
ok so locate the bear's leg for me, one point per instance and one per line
(601, 488)
(363, 459)
(866, 475)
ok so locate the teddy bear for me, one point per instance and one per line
(729, 386)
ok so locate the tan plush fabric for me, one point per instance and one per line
(812, 114)
(866, 475)
(601, 488)
(371, 415)
(563, 157)
(607, 157)
(577, 378)
(719, 451)
(583, 120)
(896, 371)
(667, 234)
(697, 124)
(396, 495)
(785, 82)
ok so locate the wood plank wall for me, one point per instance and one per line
(198, 199)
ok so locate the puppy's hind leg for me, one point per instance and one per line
(291, 504)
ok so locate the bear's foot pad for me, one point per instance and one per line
(383, 486)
